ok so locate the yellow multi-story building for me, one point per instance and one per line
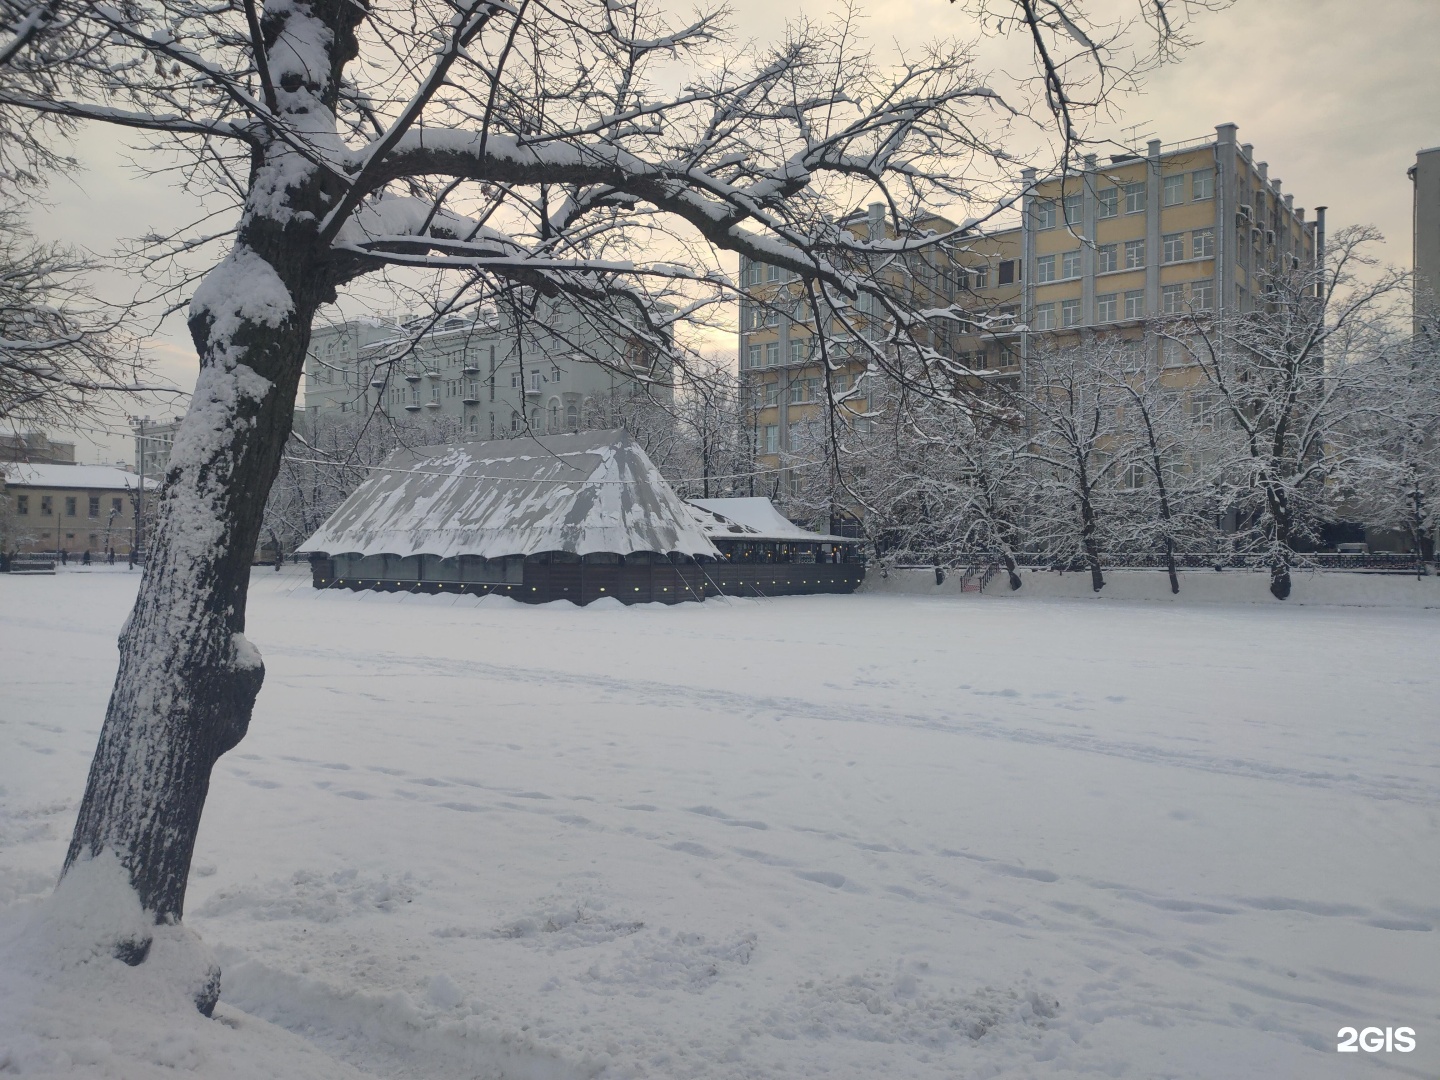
(1106, 248)
(1184, 227)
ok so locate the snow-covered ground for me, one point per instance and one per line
(869, 836)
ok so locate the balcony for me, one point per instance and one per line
(470, 369)
(432, 404)
(412, 407)
(377, 383)
(471, 399)
(412, 376)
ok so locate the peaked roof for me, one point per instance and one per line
(94, 477)
(587, 492)
(757, 519)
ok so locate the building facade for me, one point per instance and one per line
(1425, 176)
(153, 442)
(36, 448)
(71, 508)
(487, 376)
(1106, 248)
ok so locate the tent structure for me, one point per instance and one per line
(763, 552)
(573, 517)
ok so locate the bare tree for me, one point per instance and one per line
(1389, 433)
(1074, 412)
(63, 354)
(1283, 372)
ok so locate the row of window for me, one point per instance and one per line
(1174, 299)
(72, 505)
(1066, 265)
(768, 440)
(1132, 197)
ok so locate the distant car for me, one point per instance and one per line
(1351, 549)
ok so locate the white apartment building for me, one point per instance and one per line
(492, 379)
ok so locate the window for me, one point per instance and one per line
(772, 354)
(1135, 304)
(1070, 312)
(1107, 307)
(1172, 299)
(1044, 213)
(799, 350)
(1107, 202)
(752, 356)
(47, 505)
(22, 505)
(772, 316)
(1172, 190)
(772, 273)
(772, 438)
(514, 380)
(492, 425)
(1172, 247)
(94, 506)
(1045, 269)
(797, 392)
(435, 391)
(1070, 264)
(534, 380)
(982, 276)
(1202, 407)
(514, 421)
(572, 417)
(69, 505)
(1202, 184)
(1134, 254)
(1072, 209)
(554, 372)
(1202, 244)
(115, 506)
(1044, 317)
(1006, 275)
(772, 393)
(1107, 258)
(554, 415)
(840, 382)
(474, 425)
(1202, 295)
(1135, 198)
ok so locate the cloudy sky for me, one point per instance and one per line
(1337, 95)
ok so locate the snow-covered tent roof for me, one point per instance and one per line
(94, 477)
(592, 491)
(755, 519)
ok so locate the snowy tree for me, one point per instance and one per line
(941, 482)
(1284, 371)
(1389, 432)
(1164, 494)
(1073, 409)
(585, 150)
(63, 354)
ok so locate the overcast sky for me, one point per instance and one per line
(1337, 95)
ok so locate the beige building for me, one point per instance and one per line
(1171, 229)
(71, 508)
